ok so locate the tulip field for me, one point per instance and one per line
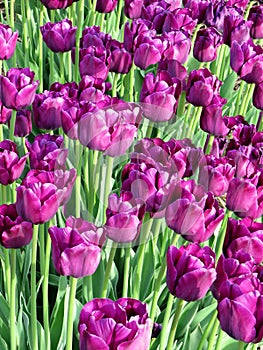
(131, 175)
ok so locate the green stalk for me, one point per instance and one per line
(212, 337)
(13, 331)
(7, 274)
(126, 271)
(114, 85)
(69, 66)
(12, 125)
(247, 99)
(78, 179)
(61, 65)
(40, 47)
(181, 105)
(108, 271)
(42, 248)
(33, 290)
(45, 294)
(131, 76)
(177, 313)
(221, 237)
(1, 133)
(118, 20)
(80, 15)
(87, 288)
(7, 13)
(165, 330)
(240, 90)
(92, 20)
(25, 34)
(102, 21)
(186, 120)
(71, 311)
(28, 19)
(51, 55)
(195, 120)
(207, 331)
(107, 189)
(219, 60)
(219, 340)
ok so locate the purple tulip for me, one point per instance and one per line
(238, 4)
(256, 17)
(216, 13)
(132, 32)
(94, 61)
(190, 271)
(246, 60)
(159, 96)
(155, 13)
(124, 218)
(133, 8)
(120, 58)
(5, 114)
(245, 235)
(92, 89)
(106, 6)
(47, 152)
(238, 290)
(69, 90)
(41, 193)
(123, 324)
(47, 109)
(176, 46)
(192, 213)
(8, 40)
(76, 249)
(198, 8)
(14, 231)
(11, 167)
(258, 96)
(59, 36)
(17, 88)
(202, 86)
(57, 4)
(179, 19)
(206, 43)
(23, 123)
(236, 29)
(174, 69)
(215, 174)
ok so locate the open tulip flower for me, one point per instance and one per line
(8, 40)
(57, 4)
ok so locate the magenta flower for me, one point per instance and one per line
(176, 46)
(256, 17)
(190, 271)
(11, 166)
(57, 4)
(5, 113)
(106, 6)
(8, 40)
(179, 19)
(76, 249)
(14, 231)
(258, 96)
(94, 61)
(120, 58)
(60, 36)
(133, 8)
(17, 88)
(23, 123)
(236, 29)
(120, 325)
(206, 43)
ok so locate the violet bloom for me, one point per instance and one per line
(236, 28)
(128, 325)
(69, 90)
(216, 13)
(192, 213)
(57, 4)
(23, 123)
(131, 33)
(76, 249)
(8, 40)
(94, 61)
(11, 166)
(124, 218)
(5, 114)
(59, 36)
(206, 43)
(258, 96)
(42, 193)
(106, 6)
(246, 60)
(93, 90)
(176, 46)
(202, 86)
(238, 290)
(216, 173)
(17, 88)
(256, 17)
(47, 152)
(175, 70)
(47, 109)
(14, 231)
(179, 19)
(198, 8)
(120, 58)
(245, 235)
(190, 271)
(159, 96)
(133, 8)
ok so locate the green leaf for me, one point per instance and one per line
(227, 89)
(186, 318)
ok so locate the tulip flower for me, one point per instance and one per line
(106, 6)
(179, 19)
(69, 90)
(5, 114)
(206, 43)
(17, 88)
(120, 58)
(216, 13)
(128, 325)
(60, 36)
(11, 167)
(14, 231)
(258, 96)
(131, 33)
(76, 249)
(133, 8)
(47, 152)
(23, 123)
(8, 40)
(191, 212)
(198, 8)
(256, 17)
(236, 29)
(94, 61)
(176, 46)
(190, 271)
(57, 4)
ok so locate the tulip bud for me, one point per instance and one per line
(8, 40)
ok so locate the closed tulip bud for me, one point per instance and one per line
(60, 36)
(258, 96)
(69, 90)
(190, 271)
(133, 8)
(8, 40)
(94, 61)
(106, 6)
(14, 231)
(206, 43)
(216, 13)
(179, 19)
(11, 167)
(17, 88)
(5, 114)
(128, 325)
(236, 28)
(176, 46)
(132, 31)
(256, 17)
(57, 4)
(23, 124)
(76, 249)
(149, 49)
(120, 59)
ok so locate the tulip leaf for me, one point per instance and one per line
(186, 318)
(4, 309)
(202, 315)
(227, 88)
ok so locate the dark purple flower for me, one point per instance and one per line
(14, 231)
(124, 218)
(256, 17)
(216, 13)
(23, 123)
(179, 19)
(47, 152)
(123, 324)
(69, 90)
(198, 8)
(120, 58)
(176, 46)
(57, 4)
(133, 8)
(132, 31)
(11, 166)
(174, 69)
(5, 114)
(191, 212)
(190, 271)
(76, 249)
(17, 88)
(206, 43)
(105, 6)
(94, 61)
(258, 96)
(236, 28)
(8, 40)
(59, 36)
(238, 4)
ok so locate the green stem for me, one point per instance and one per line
(51, 55)
(177, 313)
(220, 59)
(40, 48)
(7, 274)
(165, 330)
(186, 120)
(108, 271)
(61, 65)
(212, 337)
(118, 20)
(107, 188)
(45, 293)
(240, 91)
(78, 180)
(92, 20)
(131, 76)
(207, 331)
(87, 288)
(219, 340)
(102, 21)
(71, 311)
(195, 120)
(12, 125)
(13, 331)
(221, 236)
(126, 272)
(25, 34)
(33, 290)
(80, 15)
(42, 248)
(241, 345)
(114, 85)
(247, 99)
(69, 66)
(181, 105)
(7, 12)
(28, 19)
(1, 133)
